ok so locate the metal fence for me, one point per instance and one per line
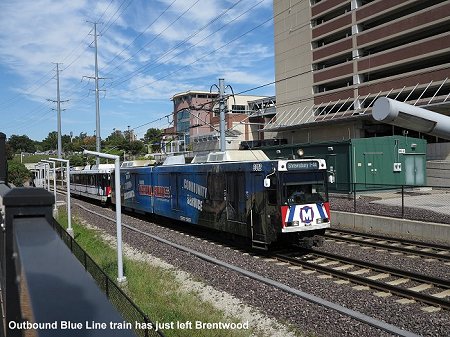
(121, 301)
(422, 203)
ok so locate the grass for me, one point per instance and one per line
(155, 290)
(32, 158)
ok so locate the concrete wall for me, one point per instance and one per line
(293, 54)
(438, 173)
(383, 225)
(438, 151)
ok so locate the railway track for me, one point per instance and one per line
(386, 280)
(416, 248)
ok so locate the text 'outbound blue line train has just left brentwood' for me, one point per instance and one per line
(242, 193)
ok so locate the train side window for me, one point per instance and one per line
(235, 194)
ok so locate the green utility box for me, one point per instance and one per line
(364, 163)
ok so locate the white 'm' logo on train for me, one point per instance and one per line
(306, 214)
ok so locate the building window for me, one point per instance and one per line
(238, 109)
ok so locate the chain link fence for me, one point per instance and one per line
(422, 203)
(131, 313)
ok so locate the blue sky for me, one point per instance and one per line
(148, 50)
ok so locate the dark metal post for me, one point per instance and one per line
(3, 161)
(403, 201)
(19, 202)
(223, 142)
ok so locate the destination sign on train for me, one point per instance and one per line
(303, 165)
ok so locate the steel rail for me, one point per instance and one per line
(382, 237)
(443, 283)
(386, 246)
(374, 284)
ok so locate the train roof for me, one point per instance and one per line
(230, 156)
(101, 168)
(134, 163)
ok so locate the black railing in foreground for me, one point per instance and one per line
(421, 203)
(121, 301)
(45, 290)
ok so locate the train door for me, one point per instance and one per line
(257, 211)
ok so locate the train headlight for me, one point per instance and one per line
(319, 220)
(295, 223)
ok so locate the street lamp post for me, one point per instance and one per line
(120, 277)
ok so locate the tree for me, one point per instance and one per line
(135, 147)
(51, 142)
(18, 174)
(21, 144)
(153, 136)
(116, 138)
(78, 160)
(9, 152)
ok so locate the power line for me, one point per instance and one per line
(110, 23)
(145, 68)
(14, 99)
(185, 40)
(158, 35)
(138, 36)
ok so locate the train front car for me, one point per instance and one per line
(92, 182)
(303, 196)
(269, 202)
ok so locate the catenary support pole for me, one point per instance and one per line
(222, 114)
(69, 209)
(55, 207)
(120, 277)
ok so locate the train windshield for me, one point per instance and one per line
(304, 188)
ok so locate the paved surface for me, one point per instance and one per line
(437, 202)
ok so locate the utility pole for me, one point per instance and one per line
(222, 107)
(58, 109)
(97, 99)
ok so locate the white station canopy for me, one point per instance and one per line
(411, 117)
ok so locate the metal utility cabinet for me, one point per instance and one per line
(364, 163)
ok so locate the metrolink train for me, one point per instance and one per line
(242, 193)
